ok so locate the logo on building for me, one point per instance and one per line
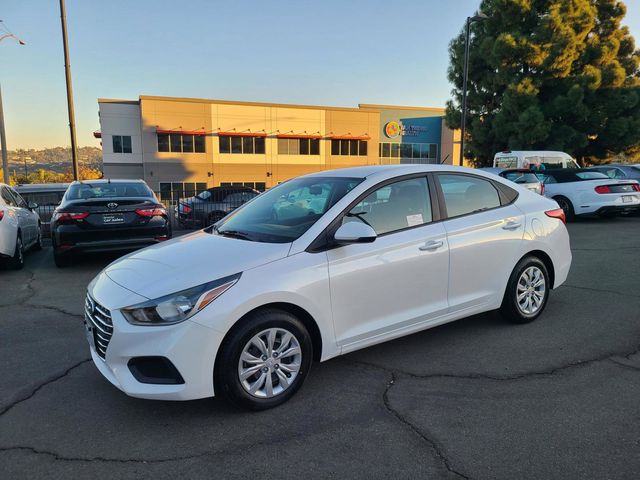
(392, 129)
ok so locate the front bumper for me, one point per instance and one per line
(189, 346)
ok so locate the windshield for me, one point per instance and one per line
(521, 177)
(284, 213)
(84, 191)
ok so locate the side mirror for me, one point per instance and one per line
(33, 206)
(355, 232)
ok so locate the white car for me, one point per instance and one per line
(19, 227)
(587, 192)
(242, 308)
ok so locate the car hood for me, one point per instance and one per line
(188, 261)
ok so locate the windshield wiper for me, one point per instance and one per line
(234, 234)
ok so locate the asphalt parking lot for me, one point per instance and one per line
(479, 398)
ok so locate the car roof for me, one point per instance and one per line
(533, 152)
(100, 181)
(41, 187)
(390, 171)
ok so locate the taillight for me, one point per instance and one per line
(1, 214)
(602, 189)
(557, 213)
(62, 217)
(636, 187)
(151, 212)
(186, 208)
(541, 188)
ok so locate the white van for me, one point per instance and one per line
(533, 159)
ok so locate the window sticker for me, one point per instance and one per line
(413, 220)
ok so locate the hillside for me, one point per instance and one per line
(57, 159)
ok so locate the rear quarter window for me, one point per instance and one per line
(464, 194)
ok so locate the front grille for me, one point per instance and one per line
(101, 324)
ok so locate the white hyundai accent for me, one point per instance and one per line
(316, 267)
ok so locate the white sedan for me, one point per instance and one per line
(19, 227)
(587, 192)
(361, 256)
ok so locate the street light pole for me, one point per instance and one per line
(3, 141)
(3, 134)
(463, 122)
(67, 72)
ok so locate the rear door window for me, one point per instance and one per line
(464, 194)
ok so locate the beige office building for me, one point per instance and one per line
(186, 144)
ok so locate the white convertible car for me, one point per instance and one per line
(316, 267)
(588, 192)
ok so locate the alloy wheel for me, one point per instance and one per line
(531, 290)
(269, 363)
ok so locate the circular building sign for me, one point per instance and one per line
(392, 129)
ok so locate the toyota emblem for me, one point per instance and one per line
(112, 205)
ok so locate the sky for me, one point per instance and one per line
(322, 52)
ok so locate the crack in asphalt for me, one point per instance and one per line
(42, 385)
(625, 365)
(602, 290)
(518, 376)
(432, 443)
(38, 306)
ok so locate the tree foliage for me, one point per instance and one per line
(548, 75)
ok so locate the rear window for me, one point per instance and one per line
(506, 162)
(465, 194)
(85, 191)
(590, 175)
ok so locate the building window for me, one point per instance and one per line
(259, 186)
(178, 143)
(349, 147)
(174, 191)
(298, 146)
(426, 151)
(245, 145)
(121, 143)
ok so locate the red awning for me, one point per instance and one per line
(350, 137)
(294, 135)
(97, 134)
(181, 132)
(242, 134)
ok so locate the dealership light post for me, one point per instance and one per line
(476, 18)
(3, 135)
(67, 72)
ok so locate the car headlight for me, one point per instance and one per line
(179, 306)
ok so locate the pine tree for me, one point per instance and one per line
(548, 75)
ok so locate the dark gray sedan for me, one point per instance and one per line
(619, 171)
(211, 205)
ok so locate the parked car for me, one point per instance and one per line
(533, 159)
(588, 192)
(242, 308)
(19, 227)
(107, 215)
(619, 171)
(213, 204)
(522, 176)
(47, 195)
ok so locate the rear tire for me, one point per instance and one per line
(16, 262)
(566, 205)
(38, 244)
(61, 260)
(527, 292)
(278, 374)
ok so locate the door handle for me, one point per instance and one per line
(431, 245)
(511, 226)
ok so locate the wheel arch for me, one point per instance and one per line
(303, 315)
(544, 258)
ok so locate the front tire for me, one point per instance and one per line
(264, 361)
(61, 260)
(527, 291)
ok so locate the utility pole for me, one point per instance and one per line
(463, 121)
(3, 140)
(67, 71)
